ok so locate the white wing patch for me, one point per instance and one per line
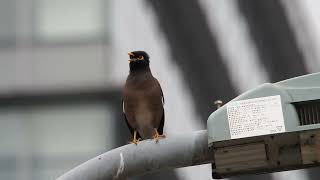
(162, 96)
(162, 99)
(123, 107)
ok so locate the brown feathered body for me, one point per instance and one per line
(143, 103)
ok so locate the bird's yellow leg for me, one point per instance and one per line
(157, 136)
(135, 140)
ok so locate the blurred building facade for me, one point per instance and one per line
(63, 64)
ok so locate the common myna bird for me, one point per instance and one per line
(143, 100)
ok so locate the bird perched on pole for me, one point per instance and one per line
(142, 100)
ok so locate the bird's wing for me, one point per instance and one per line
(161, 125)
(162, 96)
(125, 118)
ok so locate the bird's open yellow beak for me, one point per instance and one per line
(130, 54)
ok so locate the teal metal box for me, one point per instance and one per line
(267, 124)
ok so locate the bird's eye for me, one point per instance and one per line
(140, 57)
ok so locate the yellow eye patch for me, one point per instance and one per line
(140, 57)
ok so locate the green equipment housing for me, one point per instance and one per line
(274, 127)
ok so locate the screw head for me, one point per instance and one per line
(218, 103)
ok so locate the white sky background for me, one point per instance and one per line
(136, 28)
(303, 18)
(311, 10)
(236, 46)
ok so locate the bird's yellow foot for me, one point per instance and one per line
(135, 140)
(157, 136)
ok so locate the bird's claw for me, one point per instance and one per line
(135, 141)
(157, 136)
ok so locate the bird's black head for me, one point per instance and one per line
(139, 60)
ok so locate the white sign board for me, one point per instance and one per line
(255, 117)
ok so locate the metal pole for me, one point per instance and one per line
(130, 160)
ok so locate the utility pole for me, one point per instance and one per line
(171, 152)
